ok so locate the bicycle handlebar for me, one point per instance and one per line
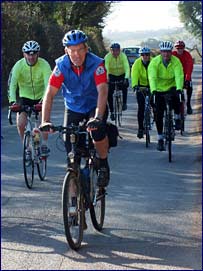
(76, 129)
(20, 108)
(116, 82)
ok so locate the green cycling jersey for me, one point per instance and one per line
(162, 78)
(117, 65)
(139, 74)
(30, 80)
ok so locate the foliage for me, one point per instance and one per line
(47, 22)
(191, 16)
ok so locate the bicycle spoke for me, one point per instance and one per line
(73, 219)
(97, 206)
(28, 163)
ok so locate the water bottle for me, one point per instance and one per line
(36, 137)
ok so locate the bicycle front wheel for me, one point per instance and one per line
(170, 127)
(73, 213)
(42, 167)
(97, 205)
(28, 162)
(119, 105)
(147, 127)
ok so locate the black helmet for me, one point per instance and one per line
(115, 46)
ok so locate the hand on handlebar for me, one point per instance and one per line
(93, 124)
(46, 127)
(135, 89)
(126, 82)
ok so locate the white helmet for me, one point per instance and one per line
(144, 50)
(31, 46)
(166, 46)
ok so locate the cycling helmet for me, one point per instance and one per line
(31, 46)
(179, 44)
(166, 46)
(144, 50)
(74, 37)
(115, 46)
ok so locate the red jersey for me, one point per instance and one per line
(100, 76)
(187, 62)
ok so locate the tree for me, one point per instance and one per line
(191, 16)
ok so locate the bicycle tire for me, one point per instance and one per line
(28, 165)
(97, 202)
(170, 140)
(115, 110)
(42, 167)
(182, 119)
(73, 224)
(147, 125)
(120, 105)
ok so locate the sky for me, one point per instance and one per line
(143, 15)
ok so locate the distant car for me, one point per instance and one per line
(132, 53)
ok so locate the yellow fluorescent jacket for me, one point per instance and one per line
(117, 65)
(162, 78)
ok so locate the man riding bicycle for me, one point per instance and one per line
(165, 74)
(83, 79)
(30, 75)
(118, 69)
(187, 62)
(139, 78)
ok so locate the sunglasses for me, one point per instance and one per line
(145, 54)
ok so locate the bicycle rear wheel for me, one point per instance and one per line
(182, 118)
(73, 222)
(97, 205)
(42, 167)
(28, 162)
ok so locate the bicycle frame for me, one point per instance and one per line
(147, 113)
(117, 102)
(79, 186)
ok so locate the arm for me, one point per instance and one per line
(46, 74)
(189, 67)
(102, 100)
(47, 102)
(12, 84)
(134, 74)
(179, 75)
(152, 76)
(126, 66)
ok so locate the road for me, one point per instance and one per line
(153, 207)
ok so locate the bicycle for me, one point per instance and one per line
(182, 115)
(80, 191)
(117, 102)
(169, 127)
(147, 114)
(31, 143)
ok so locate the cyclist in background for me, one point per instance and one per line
(165, 74)
(30, 76)
(118, 69)
(187, 62)
(83, 79)
(139, 78)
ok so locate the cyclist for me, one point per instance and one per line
(118, 69)
(83, 79)
(139, 78)
(30, 76)
(165, 74)
(187, 62)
